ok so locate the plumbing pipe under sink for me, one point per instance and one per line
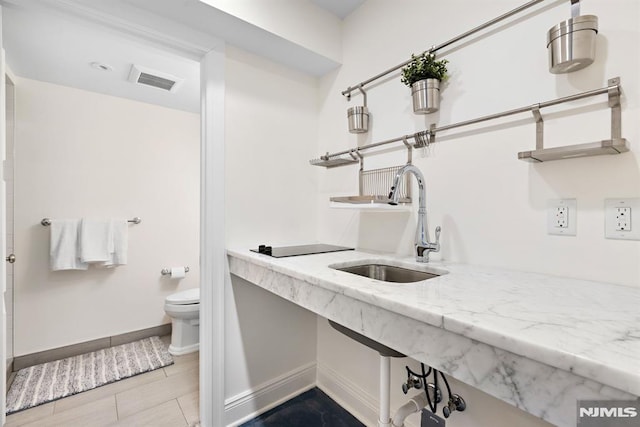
(384, 419)
(415, 404)
(386, 353)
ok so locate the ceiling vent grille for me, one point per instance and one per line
(153, 78)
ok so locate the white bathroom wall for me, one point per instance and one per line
(83, 154)
(270, 128)
(492, 208)
(271, 114)
(490, 205)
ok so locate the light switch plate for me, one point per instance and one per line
(562, 217)
(622, 219)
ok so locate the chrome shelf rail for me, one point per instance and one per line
(359, 86)
(425, 137)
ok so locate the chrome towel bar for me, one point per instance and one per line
(47, 221)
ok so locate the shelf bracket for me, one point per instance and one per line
(616, 111)
(535, 109)
(405, 141)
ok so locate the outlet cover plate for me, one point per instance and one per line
(562, 217)
(618, 224)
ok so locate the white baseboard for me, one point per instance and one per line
(251, 403)
(361, 403)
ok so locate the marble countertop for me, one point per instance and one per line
(591, 329)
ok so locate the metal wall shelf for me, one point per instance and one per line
(615, 145)
(608, 146)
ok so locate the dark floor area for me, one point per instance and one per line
(311, 409)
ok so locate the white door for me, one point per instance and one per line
(3, 254)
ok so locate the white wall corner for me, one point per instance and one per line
(213, 259)
(299, 22)
(359, 402)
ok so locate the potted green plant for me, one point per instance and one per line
(423, 75)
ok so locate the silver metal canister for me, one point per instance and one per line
(572, 44)
(358, 119)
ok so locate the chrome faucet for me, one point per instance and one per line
(422, 244)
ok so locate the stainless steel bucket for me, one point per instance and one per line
(572, 44)
(358, 119)
(426, 96)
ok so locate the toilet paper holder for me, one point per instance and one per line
(167, 271)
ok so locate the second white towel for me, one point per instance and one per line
(96, 240)
(103, 242)
(120, 234)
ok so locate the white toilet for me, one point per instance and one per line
(184, 310)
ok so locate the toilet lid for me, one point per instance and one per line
(190, 296)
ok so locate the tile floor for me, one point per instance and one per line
(166, 397)
(169, 397)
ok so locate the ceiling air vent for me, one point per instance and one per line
(153, 78)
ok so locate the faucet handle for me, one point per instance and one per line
(437, 242)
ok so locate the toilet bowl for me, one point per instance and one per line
(184, 310)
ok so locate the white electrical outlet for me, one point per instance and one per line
(622, 219)
(561, 217)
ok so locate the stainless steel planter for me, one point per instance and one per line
(572, 44)
(358, 119)
(426, 96)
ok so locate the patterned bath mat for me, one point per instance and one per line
(43, 383)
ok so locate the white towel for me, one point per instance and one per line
(96, 240)
(120, 230)
(63, 250)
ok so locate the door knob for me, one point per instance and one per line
(11, 258)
